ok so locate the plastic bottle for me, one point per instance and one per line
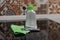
(31, 19)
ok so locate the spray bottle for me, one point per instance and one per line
(31, 19)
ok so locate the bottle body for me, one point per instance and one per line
(31, 20)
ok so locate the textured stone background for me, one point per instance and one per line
(51, 6)
(49, 30)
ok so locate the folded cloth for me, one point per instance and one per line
(19, 29)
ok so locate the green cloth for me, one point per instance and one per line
(19, 29)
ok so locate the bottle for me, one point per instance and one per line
(31, 19)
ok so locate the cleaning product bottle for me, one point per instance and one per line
(31, 19)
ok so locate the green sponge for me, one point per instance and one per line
(19, 29)
(30, 7)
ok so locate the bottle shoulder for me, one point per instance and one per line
(31, 11)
